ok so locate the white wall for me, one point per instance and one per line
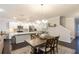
(4, 23)
(54, 20)
(69, 23)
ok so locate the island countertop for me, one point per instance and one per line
(23, 33)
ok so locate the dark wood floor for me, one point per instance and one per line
(6, 49)
(7, 44)
(71, 45)
(19, 45)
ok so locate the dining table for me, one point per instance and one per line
(36, 43)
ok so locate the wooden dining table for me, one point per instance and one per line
(36, 43)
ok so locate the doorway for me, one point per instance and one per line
(77, 34)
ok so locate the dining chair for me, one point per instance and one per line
(33, 36)
(56, 44)
(51, 46)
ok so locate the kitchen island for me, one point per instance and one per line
(21, 36)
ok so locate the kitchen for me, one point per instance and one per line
(20, 25)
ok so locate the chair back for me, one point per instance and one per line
(49, 43)
(56, 41)
(52, 43)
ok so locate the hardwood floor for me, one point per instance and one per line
(7, 45)
(6, 49)
(19, 45)
(71, 45)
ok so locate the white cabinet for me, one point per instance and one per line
(22, 38)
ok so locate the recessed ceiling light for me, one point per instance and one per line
(2, 10)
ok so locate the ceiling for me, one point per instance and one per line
(38, 11)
